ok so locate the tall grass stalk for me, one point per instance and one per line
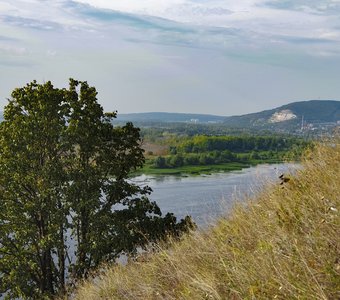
(285, 244)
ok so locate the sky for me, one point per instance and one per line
(222, 57)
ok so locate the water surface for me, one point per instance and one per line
(205, 197)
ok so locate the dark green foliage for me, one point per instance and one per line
(64, 181)
(176, 161)
(212, 150)
(160, 162)
(201, 143)
(173, 150)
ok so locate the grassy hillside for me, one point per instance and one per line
(312, 111)
(316, 110)
(284, 245)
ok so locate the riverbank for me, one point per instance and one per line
(283, 245)
(207, 197)
(149, 168)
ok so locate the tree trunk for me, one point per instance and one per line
(61, 258)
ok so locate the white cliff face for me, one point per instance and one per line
(283, 115)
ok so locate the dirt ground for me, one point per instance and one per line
(155, 149)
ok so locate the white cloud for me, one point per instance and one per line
(208, 13)
(41, 11)
(192, 51)
(262, 16)
(6, 49)
(51, 52)
(5, 7)
(151, 7)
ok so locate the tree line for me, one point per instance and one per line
(210, 150)
(202, 143)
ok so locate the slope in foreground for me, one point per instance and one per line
(284, 245)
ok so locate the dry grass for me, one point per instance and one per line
(284, 245)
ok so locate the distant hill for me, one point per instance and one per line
(287, 117)
(169, 117)
(311, 112)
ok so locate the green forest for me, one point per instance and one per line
(201, 153)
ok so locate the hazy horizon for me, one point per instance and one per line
(189, 56)
(219, 115)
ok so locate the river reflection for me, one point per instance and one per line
(205, 197)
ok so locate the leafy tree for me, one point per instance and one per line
(176, 161)
(191, 159)
(173, 150)
(66, 204)
(160, 162)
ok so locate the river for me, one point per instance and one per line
(206, 197)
